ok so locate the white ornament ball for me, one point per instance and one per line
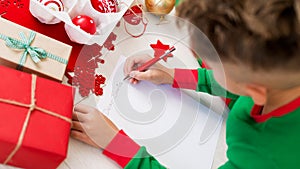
(55, 5)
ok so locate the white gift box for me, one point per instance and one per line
(105, 22)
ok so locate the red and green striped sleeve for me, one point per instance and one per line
(129, 155)
(201, 80)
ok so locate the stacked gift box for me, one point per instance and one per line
(38, 43)
(35, 112)
(35, 120)
(32, 52)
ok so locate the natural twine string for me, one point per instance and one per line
(32, 106)
(143, 18)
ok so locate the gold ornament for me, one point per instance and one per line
(160, 7)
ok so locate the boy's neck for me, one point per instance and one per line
(278, 98)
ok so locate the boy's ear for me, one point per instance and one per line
(257, 92)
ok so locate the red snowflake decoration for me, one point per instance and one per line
(83, 78)
(109, 42)
(118, 24)
(160, 48)
(84, 71)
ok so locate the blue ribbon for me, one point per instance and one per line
(36, 54)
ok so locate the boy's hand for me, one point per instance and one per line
(157, 73)
(92, 127)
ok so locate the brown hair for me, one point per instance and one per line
(262, 34)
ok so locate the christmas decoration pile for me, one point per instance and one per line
(86, 21)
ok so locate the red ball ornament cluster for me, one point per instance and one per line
(105, 6)
(85, 23)
(99, 80)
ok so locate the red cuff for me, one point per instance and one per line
(121, 149)
(185, 78)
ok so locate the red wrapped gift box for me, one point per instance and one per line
(35, 120)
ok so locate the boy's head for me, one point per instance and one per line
(258, 41)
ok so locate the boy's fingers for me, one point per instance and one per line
(76, 125)
(133, 81)
(140, 75)
(132, 61)
(80, 136)
(134, 74)
(83, 137)
(77, 134)
(82, 108)
(77, 116)
(128, 66)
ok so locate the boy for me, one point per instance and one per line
(258, 42)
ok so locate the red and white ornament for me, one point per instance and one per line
(134, 14)
(55, 5)
(85, 23)
(105, 6)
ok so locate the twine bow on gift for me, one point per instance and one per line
(31, 107)
(36, 54)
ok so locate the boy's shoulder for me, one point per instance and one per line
(275, 140)
(242, 106)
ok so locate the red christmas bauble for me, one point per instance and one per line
(105, 6)
(85, 23)
(133, 15)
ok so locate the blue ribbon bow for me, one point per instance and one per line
(35, 53)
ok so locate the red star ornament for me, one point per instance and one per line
(160, 48)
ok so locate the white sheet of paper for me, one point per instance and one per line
(165, 120)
